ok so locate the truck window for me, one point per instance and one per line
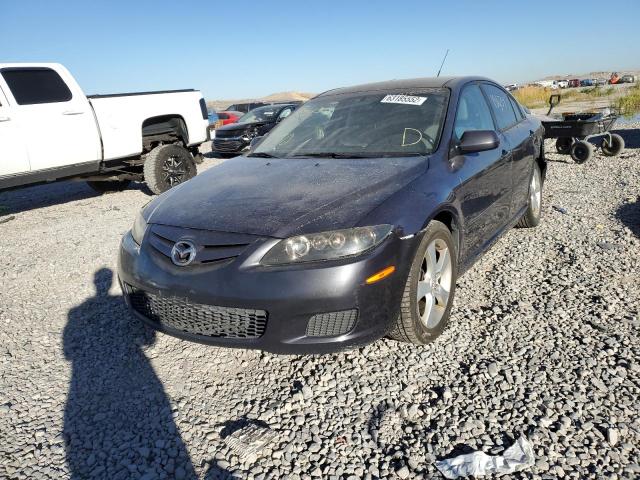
(36, 85)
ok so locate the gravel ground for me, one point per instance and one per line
(543, 341)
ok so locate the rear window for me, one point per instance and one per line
(501, 106)
(31, 86)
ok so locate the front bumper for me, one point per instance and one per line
(290, 295)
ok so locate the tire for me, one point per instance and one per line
(409, 325)
(563, 145)
(531, 217)
(581, 151)
(617, 145)
(108, 186)
(167, 166)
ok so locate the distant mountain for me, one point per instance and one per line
(219, 105)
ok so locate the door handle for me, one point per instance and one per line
(5, 119)
(72, 112)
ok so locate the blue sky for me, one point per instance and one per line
(253, 48)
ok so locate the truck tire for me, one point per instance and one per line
(617, 145)
(167, 166)
(108, 186)
(431, 283)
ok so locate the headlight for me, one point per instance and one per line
(249, 134)
(139, 227)
(326, 245)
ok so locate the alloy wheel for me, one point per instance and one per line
(434, 283)
(535, 192)
(174, 170)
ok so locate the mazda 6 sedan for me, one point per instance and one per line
(351, 220)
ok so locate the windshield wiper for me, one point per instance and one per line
(331, 155)
(262, 155)
(359, 155)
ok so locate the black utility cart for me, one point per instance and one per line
(574, 131)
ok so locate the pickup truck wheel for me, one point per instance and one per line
(167, 166)
(108, 186)
(431, 284)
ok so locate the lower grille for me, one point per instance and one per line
(332, 324)
(228, 145)
(199, 319)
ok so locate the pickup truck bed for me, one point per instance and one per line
(50, 130)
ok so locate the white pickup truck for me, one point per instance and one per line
(50, 130)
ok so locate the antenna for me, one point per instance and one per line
(442, 64)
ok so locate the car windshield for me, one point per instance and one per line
(363, 124)
(260, 114)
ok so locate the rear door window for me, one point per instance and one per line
(31, 86)
(517, 109)
(473, 112)
(501, 106)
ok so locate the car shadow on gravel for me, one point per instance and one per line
(39, 196)
(629, 215)
(631, 137)
(118, 421)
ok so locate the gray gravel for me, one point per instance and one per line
(543, 342)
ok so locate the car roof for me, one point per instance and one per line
(425, 82)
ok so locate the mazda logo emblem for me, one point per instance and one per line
(183, 253)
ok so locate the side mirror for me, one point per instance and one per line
(554, 100)
(478, 141)
(255, 141)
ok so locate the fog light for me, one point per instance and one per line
(382, 274)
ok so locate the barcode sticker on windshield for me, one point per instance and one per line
(403, 99)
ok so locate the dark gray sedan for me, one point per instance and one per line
(349, 221)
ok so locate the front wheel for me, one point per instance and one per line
(167, 166)
(581, 151)
(531, 217)
(613, 148)
(430, 287)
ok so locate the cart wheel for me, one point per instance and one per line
(563, 145)
(616, 146)
(581, 151)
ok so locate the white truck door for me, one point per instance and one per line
(54, 116)
(13, 150)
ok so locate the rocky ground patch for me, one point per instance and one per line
(543, 342)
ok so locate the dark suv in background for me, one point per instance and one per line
(232, 139)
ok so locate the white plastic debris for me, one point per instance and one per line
(517, 457)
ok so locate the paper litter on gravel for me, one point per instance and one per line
(517, 457)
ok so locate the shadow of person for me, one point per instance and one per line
(117, 420)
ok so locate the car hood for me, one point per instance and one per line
(241, 126)
(284, 197)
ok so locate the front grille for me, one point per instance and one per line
(214, 249)
(228, 145)
(199, 319)
(332, 324)
(230, 133)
